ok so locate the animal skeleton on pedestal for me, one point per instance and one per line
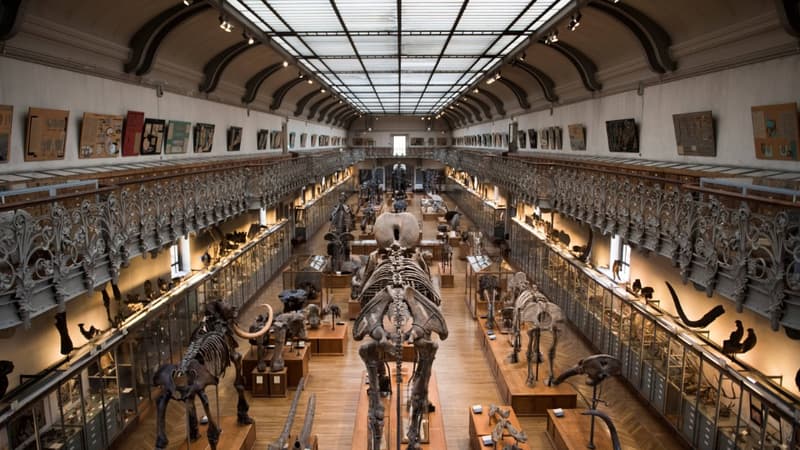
(399, 304)
(212, 348)
(533, 308)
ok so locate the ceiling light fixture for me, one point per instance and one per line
(225, 25)
(476, 90)
(310, 81)
(248, 38)
(300, 74)
(323, 91)
(286, 64)
(187, 2)
(574, 22)
(522, 56)
(552, 37)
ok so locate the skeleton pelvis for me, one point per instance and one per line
(402, 227)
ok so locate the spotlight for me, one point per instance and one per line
(187, 2)
(552, 37)
(476, 90)
(574, 21)
(300, 74)
(497, 75)
(225, 25)
(310, 81)
(322, 90)
(522, 56)
(249, 39)
(286, 64)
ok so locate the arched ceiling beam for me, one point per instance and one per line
(301, 104)
(457, 107)
(498, 104)
(544, 81)
(654, 39)
(145, 42)
(789, 14)
(587, 69)
(347, 119)
(280, 93)
(487, 111)
(521, 94)
(476, 113)
(216, 65)
(315, 106)
(12, 13)
(349, 122)
(460, 118)
(447, 114)
(448, 121)
(335, 112)
(324, 110)
(254, 83)
(338, 120)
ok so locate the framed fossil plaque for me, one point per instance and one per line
(532, 137)
(775, 130)
(694, 134)
(292, 139)
(177, 140)
(203, 137)
(623, 136)
(153, 136)
(577, 137)
(304, 140)
(544, 137)
(441, 141)
(275, 140)
(313, 140)
(558, 137)
(262, 139)
(522, 139)
(6, 116)
(132, 133)
(417, 142)
(101, 136)
(234, 139)
(46, 135)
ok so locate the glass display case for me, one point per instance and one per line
(487, 217)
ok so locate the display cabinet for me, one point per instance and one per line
(487, 217)
(85, 402)
(478, 266)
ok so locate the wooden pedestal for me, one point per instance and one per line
(233, 437)
(296, 365)
(277, 383)
(479, 426)
(437, 439)
(526, 400)
(325, 341)
(258, 383)
(353, 309)
(337, 281)
(571, 432)
(448, 280)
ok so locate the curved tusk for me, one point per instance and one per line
(255, 335)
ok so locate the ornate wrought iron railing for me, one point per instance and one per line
(55, 249)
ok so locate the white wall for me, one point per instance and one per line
(729, 94)
(384, 127)
(25, 85)
(304, 126)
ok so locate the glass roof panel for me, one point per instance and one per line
(364, 36)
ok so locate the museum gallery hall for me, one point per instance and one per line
(406, 224)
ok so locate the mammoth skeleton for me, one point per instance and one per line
(212, 349)
(399, 304)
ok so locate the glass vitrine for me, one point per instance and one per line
(103, 414)
(129, 397)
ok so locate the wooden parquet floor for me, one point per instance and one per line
(463, 374)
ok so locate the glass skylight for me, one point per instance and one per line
(407, 56)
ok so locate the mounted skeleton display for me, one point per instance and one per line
(532, 307)
(339, 236)
(399, 304)
(212, 348)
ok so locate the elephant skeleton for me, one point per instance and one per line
(212, 348)
(399, 304)
(533, 308)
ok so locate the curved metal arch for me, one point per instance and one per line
(459, 116)
(464, 112)
(335, 111)
(521, 94)
(145, 42)
(789, 15)
(301, 104)
(498, 104)
(348, 123)
(280, 93)
(487, 111)
(338, 119)
(653, 38)
(452, 118)
(215, 66)
(586, 68)
(544, 81)
(347, 119)
(324, 110)
(448, 121)
(11, 17)
(254, 83)
(315, 106)
(476, 113)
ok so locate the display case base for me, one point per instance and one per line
(526, 400)
(259, 383)
(327, 341)
(277, 383)
(571, 432)
(296, 361)
(479, 426)
(233, 437)
(353, 309)
(436, 437)
(335, 281)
